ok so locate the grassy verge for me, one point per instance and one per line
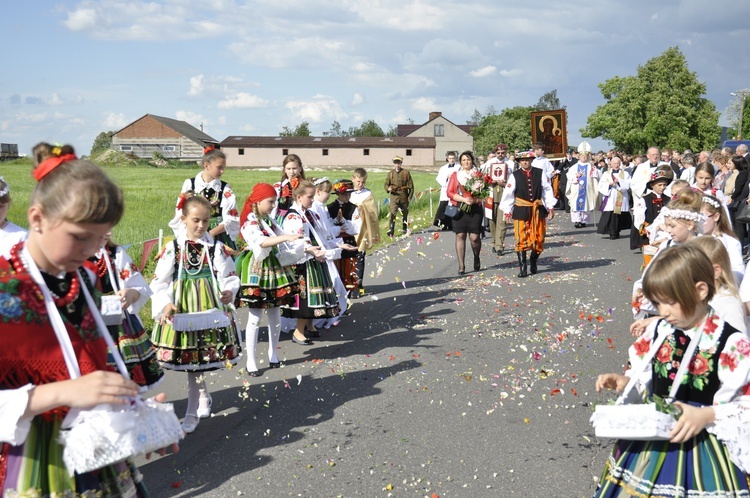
(150, 195)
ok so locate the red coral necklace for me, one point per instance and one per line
(75, 287)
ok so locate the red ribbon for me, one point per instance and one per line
(51, 163)
(208, 149)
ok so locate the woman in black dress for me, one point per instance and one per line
(469, 219)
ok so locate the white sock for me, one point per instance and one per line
(251, 337)
(194, 388)
(274, 330)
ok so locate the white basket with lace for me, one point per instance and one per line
(105, 434)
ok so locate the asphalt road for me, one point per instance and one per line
(436, 385)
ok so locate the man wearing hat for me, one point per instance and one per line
(583, 187)
(497, 168)
(399, 184)
(528, 200)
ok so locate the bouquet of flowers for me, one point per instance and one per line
(478, 185)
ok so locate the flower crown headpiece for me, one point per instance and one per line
(208, 149)
(711, 201)
(684, 214)
(343, 186)
(49, 164)
(319, 181)
(660, 175)
(6, 190)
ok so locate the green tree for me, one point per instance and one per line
(734, 114)
(548, 102)
(301, 130)
(102, 142)
(335, 131)
(511, 127)
(368, 129)
(663, 104)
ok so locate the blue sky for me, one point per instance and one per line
(75, 68)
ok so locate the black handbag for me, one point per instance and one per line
(451, 211)
(743, 213)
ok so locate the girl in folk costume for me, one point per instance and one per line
(528, 200)
(118, 277)
(10, 233)
(317, 297)
(614, 186)
(717, 225)
(44, 294)
(582, 187)
(683, 222)
(195, 274)
(347, 222)
(708, 363)
(265, 284)
(225, 222)
(704, 182)
(334, 233)
(648, 206)
(292, 172)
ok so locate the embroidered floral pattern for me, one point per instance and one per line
(21, 300)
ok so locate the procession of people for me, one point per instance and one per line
(295, 253)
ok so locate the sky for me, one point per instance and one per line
(73, 69)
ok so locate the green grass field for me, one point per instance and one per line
(151, 193)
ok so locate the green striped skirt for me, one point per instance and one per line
(699, 467)
(196, 350)
(317, 297)
(265, 284)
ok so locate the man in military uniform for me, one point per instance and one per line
(399, 184)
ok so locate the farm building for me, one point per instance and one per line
(449, 137)
(171, 138)
(333, 152)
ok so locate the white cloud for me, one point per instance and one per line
(81, 20)
(316, 110)
(357, 99)
(55, 100)
(484, 71)
(424, 104)
(140, 20)
(114, 121)
(196, 85)
(243, 100)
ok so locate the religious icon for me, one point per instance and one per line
(548, 127)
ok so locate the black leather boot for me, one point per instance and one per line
(522, 264)
(533, 257)
(390, 228)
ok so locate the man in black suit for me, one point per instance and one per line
(563, 166)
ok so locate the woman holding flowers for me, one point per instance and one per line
(467, 189)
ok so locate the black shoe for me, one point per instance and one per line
(390, 234)
(274, 364)
(306, 342)
(253, 373)
(477, 264)
(461, 271)
(523, 272)
(500, 251)
(314, 334)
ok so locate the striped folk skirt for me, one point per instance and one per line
(134, 345)
(527, 238)
(317, 298)
(265, 284)
(347, 267)
(196, 350)
(36, 468)
(697, 468)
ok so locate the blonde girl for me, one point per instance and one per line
(72, 208)
(292, 171)
(195, 274)
(317, 297)
(716, 224)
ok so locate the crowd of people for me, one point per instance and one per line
(297, 256)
